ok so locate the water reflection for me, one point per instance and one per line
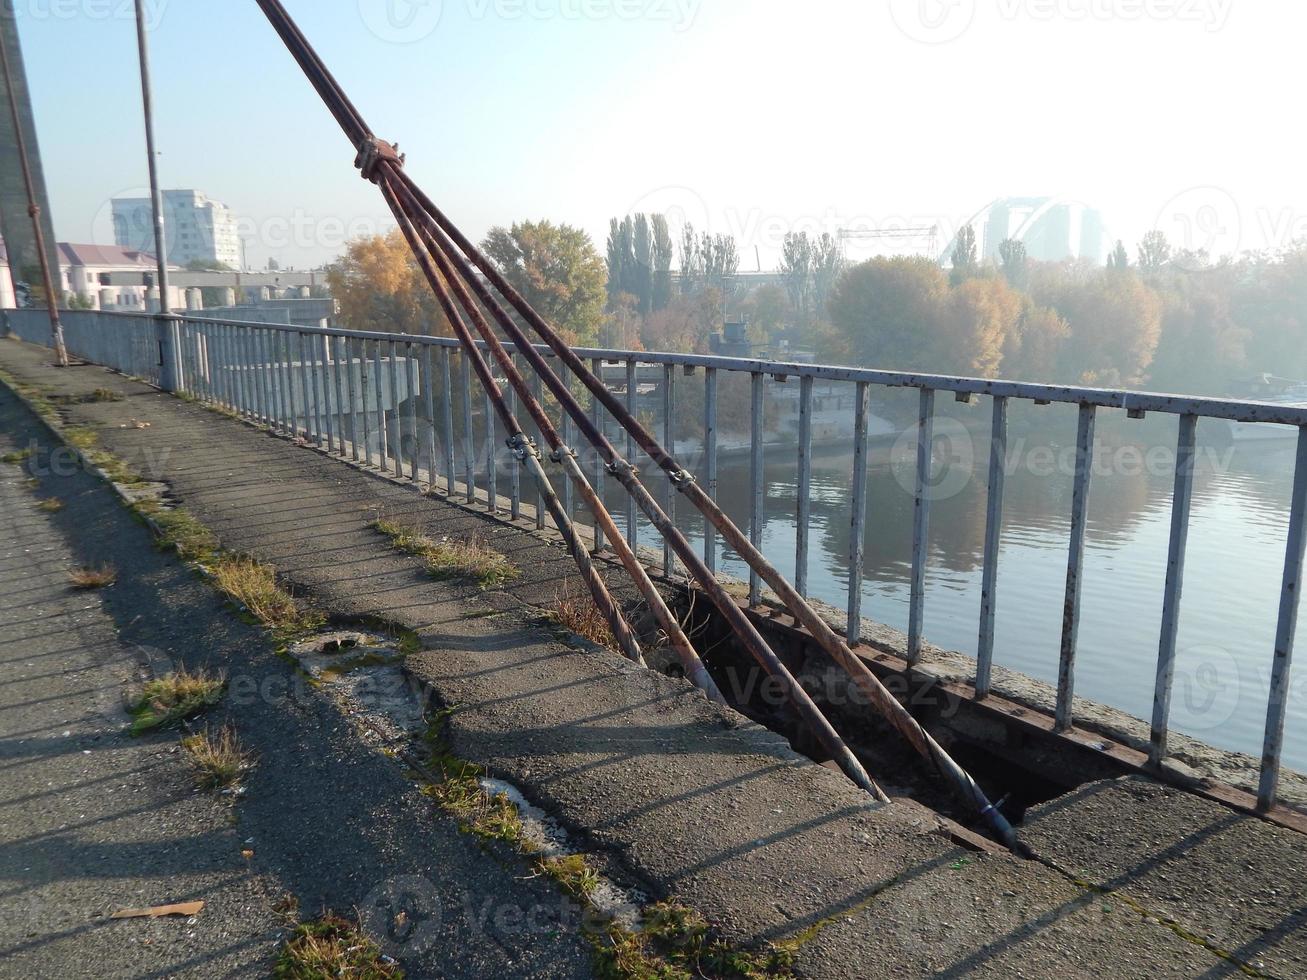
(1235, 556)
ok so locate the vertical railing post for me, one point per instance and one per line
(429, 397)
(710, 463)
(514, 472)
(804, 509)
(1281, 668)
(632, 517)
(339, 363)
(492, 445)
(537, 390)
(469, 437)
(757, 491)
(366, 384)
(597, 416)
(411, 397)
(379, 393)
(447, 419)
(858, 522)
(921, 522)
(1066, 674)
(993, 538)
(669, 443)
(1181, 504)
(396, 445)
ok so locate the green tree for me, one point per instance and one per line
(1015, 263)
(828, 265)
(691, 261)
(1154, 251)
(662, 261)
(965, 263)
(642, 273)
(557, 269)
(1120, 258)
(890, 311)
(796, 270)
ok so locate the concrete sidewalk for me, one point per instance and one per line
(688, 801)
(93, 820)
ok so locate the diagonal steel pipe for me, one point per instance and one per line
(560, 452)
(963, 784)
(522, 447)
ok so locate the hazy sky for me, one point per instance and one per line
(753, 116)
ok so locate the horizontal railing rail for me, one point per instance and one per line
(341, 390)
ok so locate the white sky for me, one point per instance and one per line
(750, 116)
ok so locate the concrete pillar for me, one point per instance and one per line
(194, 298)
(229, 296)
(303, 292)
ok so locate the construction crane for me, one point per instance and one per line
(930, 233)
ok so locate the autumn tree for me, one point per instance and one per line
(685, 324)
(1033, 351)
(557, 269)
(378, 285)
(1115, 321)
(978, 318)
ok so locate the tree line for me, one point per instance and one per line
(1162, 318)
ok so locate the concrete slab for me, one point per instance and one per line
(1233, 881)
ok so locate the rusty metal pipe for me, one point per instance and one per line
(522, 447)
(626, 475)
(690, 661)
(965, 787)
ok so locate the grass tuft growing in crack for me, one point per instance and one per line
(255, 587)
(50, 505)
(218, 758)
(458, 791)
(469, 559)
(578, 614)
(175, 697)
(675, 943)
(16, 457)
(573, 873)
(90, 577)
(179, 530)
(333, 947)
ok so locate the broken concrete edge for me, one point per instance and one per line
(615, 946)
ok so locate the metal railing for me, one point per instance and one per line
(363, 394)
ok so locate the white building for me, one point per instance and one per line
(196, 228)
(86, 273)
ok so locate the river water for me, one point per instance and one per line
(1235, 556)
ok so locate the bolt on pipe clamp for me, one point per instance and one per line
(562, 451)
(521, 446)
(620, 468)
